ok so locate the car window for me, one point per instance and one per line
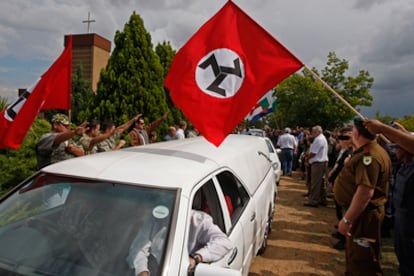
(23, 205)
(206, 199)
(270, 146)
(235, 193)
(66, 226)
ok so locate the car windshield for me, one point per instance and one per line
(66, 226)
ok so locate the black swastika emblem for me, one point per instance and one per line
(220, 73)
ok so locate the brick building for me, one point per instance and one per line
(92, 51)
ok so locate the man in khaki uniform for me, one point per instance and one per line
(361, 188)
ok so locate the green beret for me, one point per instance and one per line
(359, 124)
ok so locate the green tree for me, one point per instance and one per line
(3, 103)
(132, 81)
(304, 101)
(166, 54)
(16, 165)
(407, 122)
(82, 97)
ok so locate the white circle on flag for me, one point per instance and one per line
(220, 73)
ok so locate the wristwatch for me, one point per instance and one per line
(347, 221)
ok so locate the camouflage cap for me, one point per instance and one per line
(60, 118)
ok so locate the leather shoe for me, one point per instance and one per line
(305, 195)
(337, 235)
(339, 245)
(308, 204)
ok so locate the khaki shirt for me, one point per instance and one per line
(61, 153)
(85, 141)
(108, 144)
(47, 153)
(44, 149)
(374, 173)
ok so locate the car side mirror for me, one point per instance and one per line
(203, 269)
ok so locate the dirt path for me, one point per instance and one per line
(301, 242)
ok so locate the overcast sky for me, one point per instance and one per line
(372, 35)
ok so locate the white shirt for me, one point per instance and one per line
(205, 238)
(286, 141)
(180, 134)
(319, 147)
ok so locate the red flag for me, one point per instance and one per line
(224, 69)
(52, 91)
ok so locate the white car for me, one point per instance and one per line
(256, 132)
(274, 157)
(81, 216)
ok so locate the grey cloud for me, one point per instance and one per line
(394, 42)
(367, 4)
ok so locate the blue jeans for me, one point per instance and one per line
(287, 161)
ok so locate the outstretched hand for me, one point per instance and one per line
(166, 114)
(376, 126)
(373, 125)
(82, 128)
(137, 117)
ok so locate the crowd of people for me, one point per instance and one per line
(95, 136)
(368, 168)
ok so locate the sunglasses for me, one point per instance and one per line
(344, 137)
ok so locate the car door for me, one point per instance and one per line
(274, 158)
(210, 199)
(240, 221)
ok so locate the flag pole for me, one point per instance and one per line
(334, 92)
(340, 98)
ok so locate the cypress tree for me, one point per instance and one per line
(132, 81)
(166, 54)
